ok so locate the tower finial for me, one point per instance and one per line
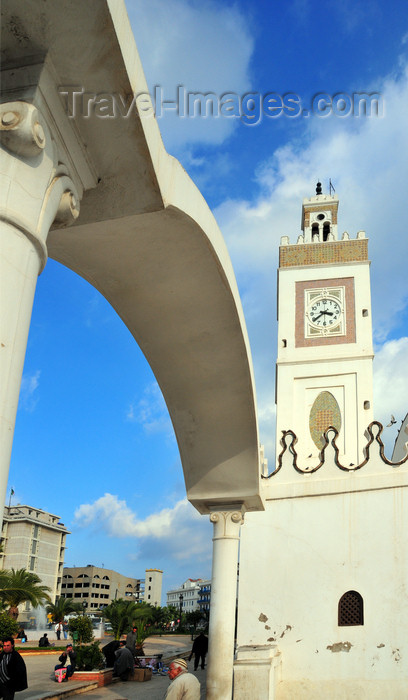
(319, 188)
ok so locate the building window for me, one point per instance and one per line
(36, 529)
(32, 563)
(351, 609)
(33, 547)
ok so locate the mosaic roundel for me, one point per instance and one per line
(324, 413)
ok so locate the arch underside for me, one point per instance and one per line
(162, 276)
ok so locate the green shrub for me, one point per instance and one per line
(89, 658)
(8, 626)
(83, 626)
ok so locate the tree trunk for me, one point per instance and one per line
(13, 612)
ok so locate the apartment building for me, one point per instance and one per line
(95, 587)
(34, 540)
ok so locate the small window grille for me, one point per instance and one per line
(351, 609)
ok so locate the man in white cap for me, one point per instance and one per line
(184, 685)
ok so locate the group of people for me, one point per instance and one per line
(184, 686)
(119, 654)
(61, 628)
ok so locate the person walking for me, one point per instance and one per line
(200, 648)
(13, 672)
(184, 686)
(58, 630)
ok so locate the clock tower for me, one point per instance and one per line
(325, 352)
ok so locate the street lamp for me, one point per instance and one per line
(84, 604)
(181, 605)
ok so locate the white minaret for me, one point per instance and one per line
(325, 352)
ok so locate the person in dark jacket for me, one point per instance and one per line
(44, 641)
(124, 664)
(131, 640)
(200, 648)
(13, 673)
(109, 652)
(70, 655)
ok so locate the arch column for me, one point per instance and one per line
(227, 523)
(37, 191)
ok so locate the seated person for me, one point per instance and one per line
(44, 641)
(68, 655)
(124, 663)
(21, 635)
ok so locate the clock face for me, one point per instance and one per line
(324, 312)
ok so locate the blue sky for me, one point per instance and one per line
(93, 440)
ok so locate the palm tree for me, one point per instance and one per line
(19, 586)
(62, 607)
(120, 614)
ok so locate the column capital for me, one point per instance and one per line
(38, 188)
(227, 522)
(44, 165)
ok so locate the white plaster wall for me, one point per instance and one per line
(297, 560)
(350, 382)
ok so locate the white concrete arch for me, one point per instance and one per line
(145, 238)
(141, 233)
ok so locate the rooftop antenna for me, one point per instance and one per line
(331, 186)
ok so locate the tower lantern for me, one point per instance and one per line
(319, 217)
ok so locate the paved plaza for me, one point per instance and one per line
(41, 684)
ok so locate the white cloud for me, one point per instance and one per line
(206, 47)
(151, 412)
(391, 387)
(181, 532)
(28, 397)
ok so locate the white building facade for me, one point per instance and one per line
(186, 596)
(323, 609)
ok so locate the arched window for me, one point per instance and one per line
(326, 230)
(351, 609)
(315, 230)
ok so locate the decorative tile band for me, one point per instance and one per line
(323, 253)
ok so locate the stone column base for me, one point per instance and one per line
(257, 671)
